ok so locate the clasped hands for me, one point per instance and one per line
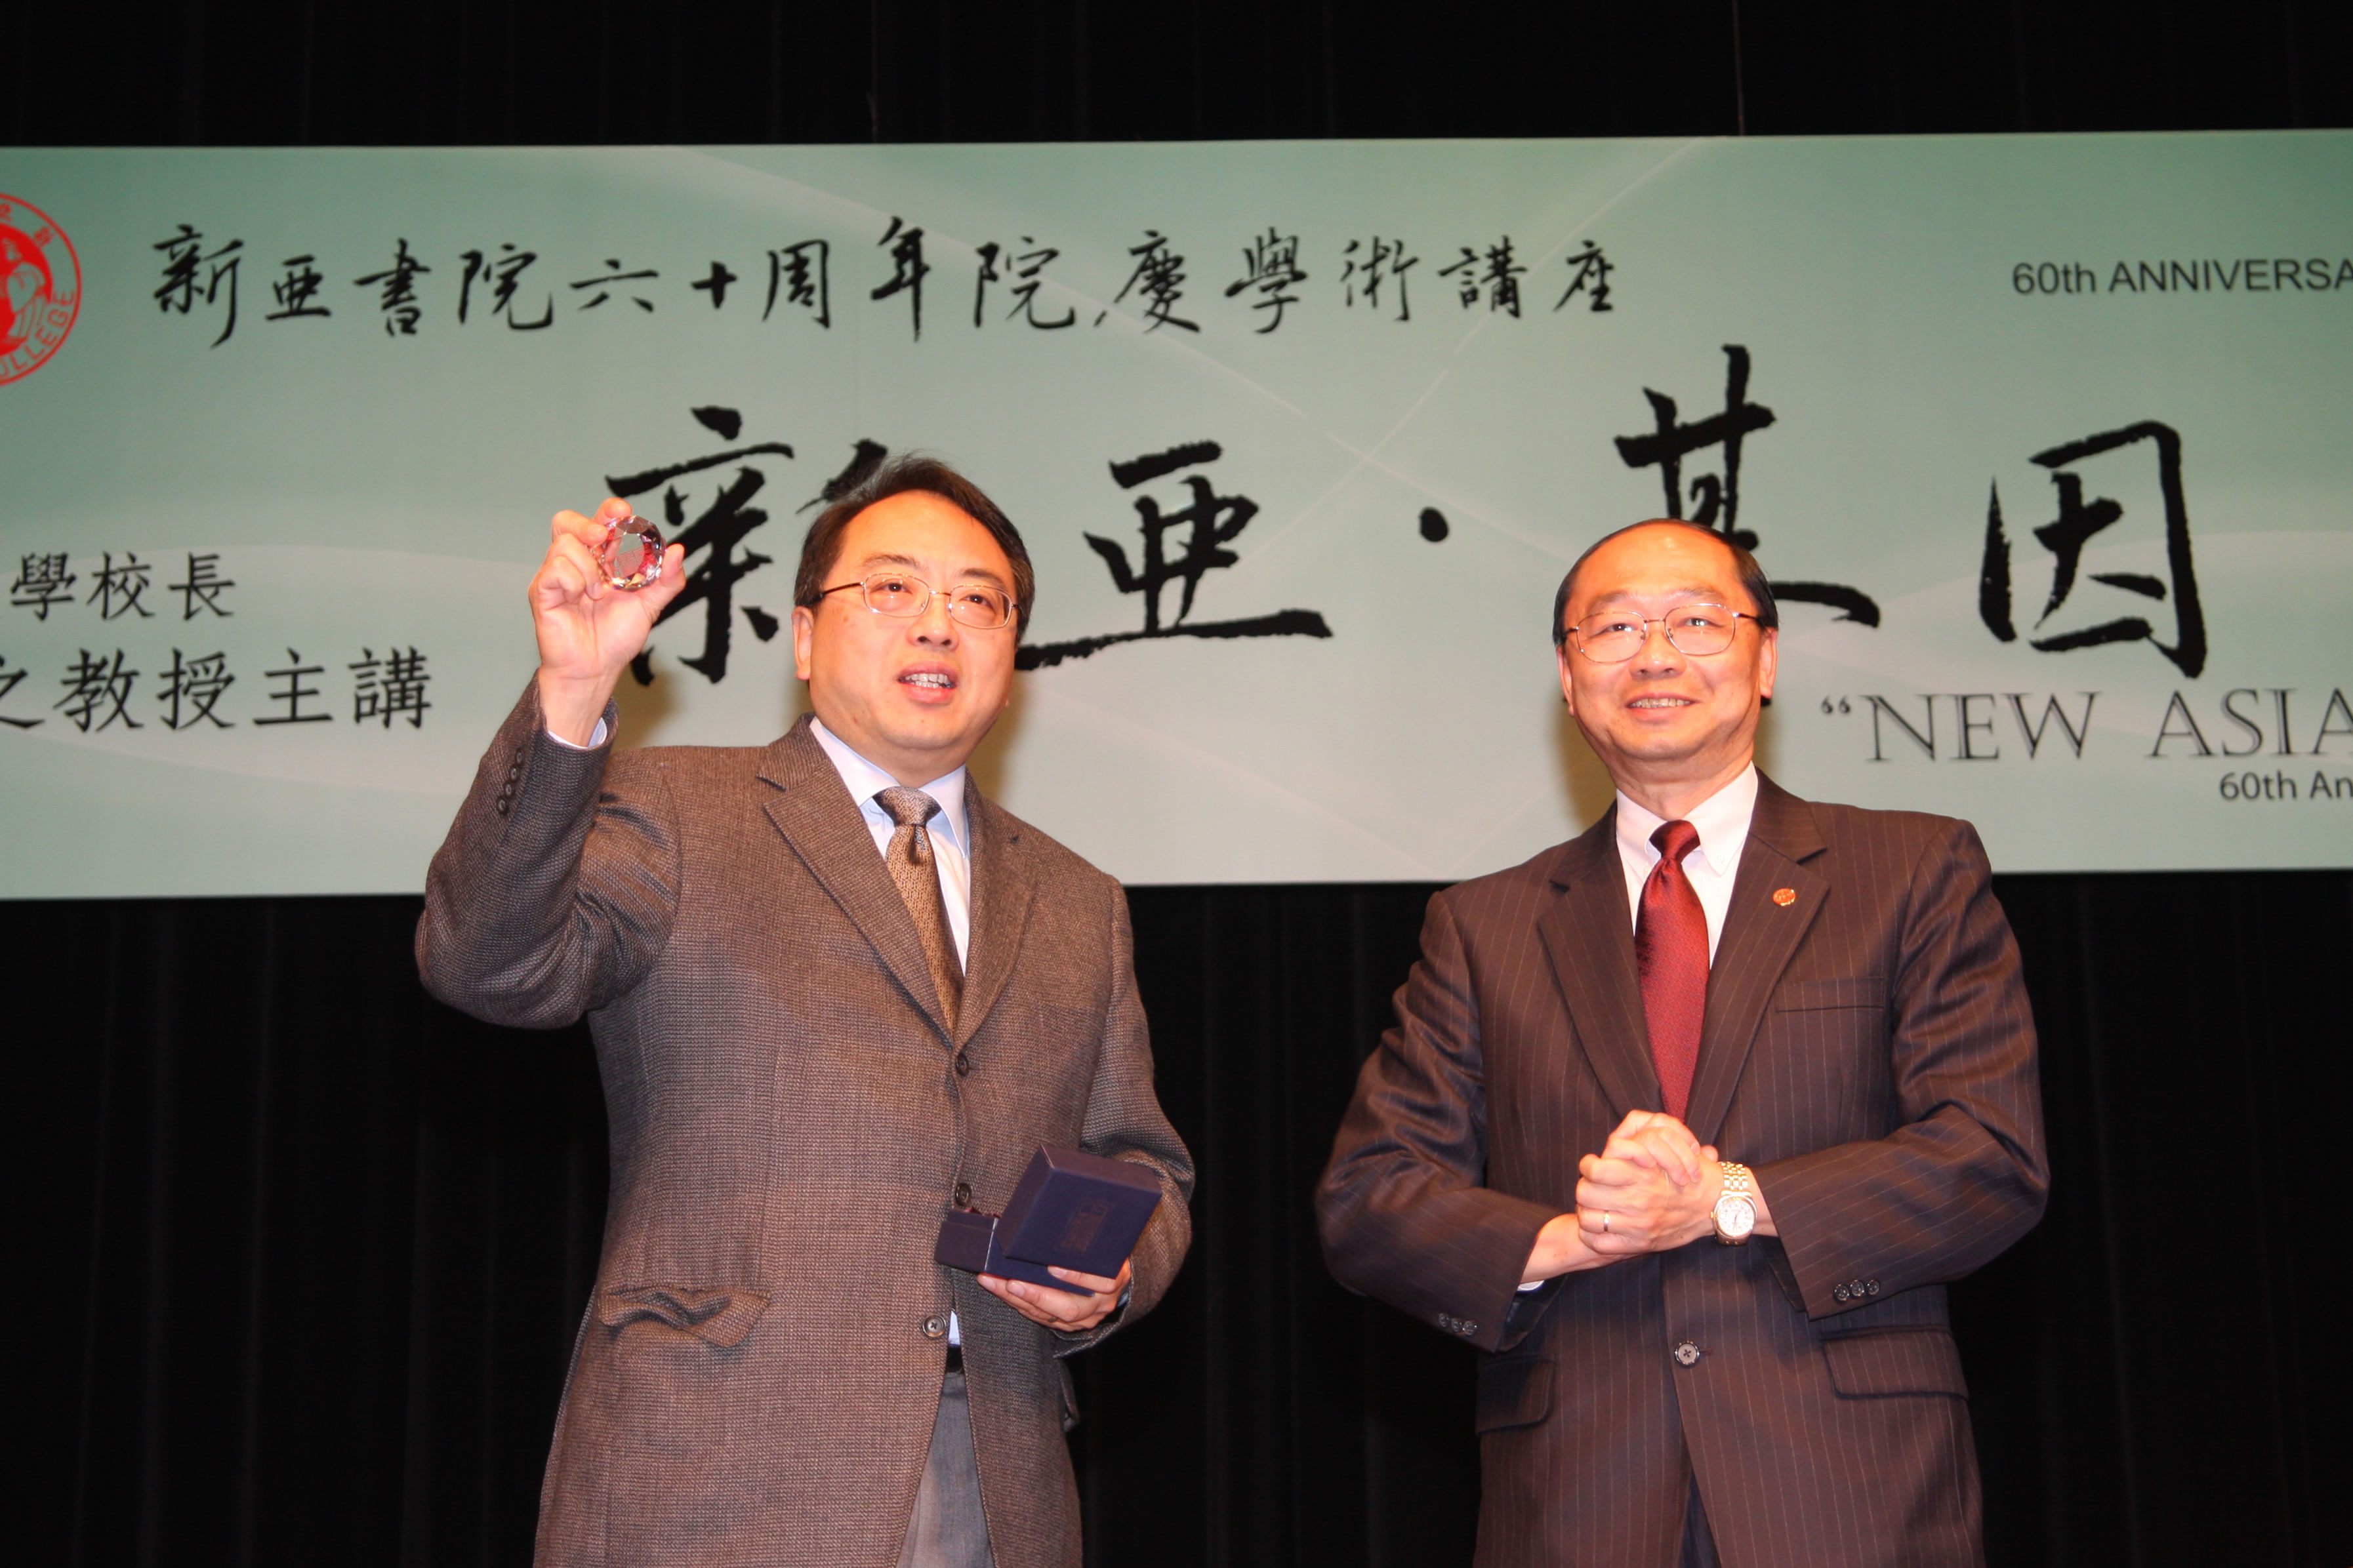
(1651, 1188)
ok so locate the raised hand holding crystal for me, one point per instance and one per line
(588, 629)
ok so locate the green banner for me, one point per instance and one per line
(2043, 441)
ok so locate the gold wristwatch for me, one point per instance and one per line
(1735, 1211)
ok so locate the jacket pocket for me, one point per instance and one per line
(719, 1315)
(1895, 1361)
(1807, 995)
(1514, 1391)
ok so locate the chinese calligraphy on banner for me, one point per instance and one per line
(2040, 439)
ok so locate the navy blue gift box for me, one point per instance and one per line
(1073, 1210)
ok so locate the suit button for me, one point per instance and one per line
(1871, 1287)
(1686, 1354)
(1838, 1294)
(502, 805)
(963, 1195)
(1469, 1330)
(515, 773)
(963, 1063)
(935, 1327)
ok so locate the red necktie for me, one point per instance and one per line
(1670, 951)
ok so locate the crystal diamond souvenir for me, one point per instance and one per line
(631, 555)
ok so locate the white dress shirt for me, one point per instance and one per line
(951, 837)
(1723, 823)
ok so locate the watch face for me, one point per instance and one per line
(1735, 1216)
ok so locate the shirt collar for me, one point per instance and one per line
(863, 779)
(1721, 820)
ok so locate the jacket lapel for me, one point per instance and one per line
(1588, 934)
(827, 830)
(1760, 935)
(1001, 891)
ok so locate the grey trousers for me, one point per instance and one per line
(948, 1529)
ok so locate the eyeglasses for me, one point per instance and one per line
(1613, 636)
(983, 606)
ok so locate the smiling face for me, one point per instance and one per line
(1671, 728)
(914, 695)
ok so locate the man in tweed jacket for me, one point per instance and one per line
(1864, 1062)
(802, 1078)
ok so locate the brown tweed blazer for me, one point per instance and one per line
(1868, 1051)
(755, 1378)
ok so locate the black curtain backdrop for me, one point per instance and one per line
(266, 72)
(310, 1248)
(302, 1253)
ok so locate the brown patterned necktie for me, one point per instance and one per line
(1670, 951)
(918, 876)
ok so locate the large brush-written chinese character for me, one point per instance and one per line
(714, 536)
(1718, 495)
(1178, 549)
(2077, 523)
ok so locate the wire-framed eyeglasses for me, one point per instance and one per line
(1613, 636)
(983, 606)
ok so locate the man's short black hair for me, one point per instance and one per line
(821, 550)
(1751, 575)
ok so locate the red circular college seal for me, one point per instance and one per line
(40, 289)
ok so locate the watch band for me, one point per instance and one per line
(1737, 1205)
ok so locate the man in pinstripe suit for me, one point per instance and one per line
(1688, 1122)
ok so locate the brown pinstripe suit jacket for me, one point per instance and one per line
(756, 1379)
(1868, 1051)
